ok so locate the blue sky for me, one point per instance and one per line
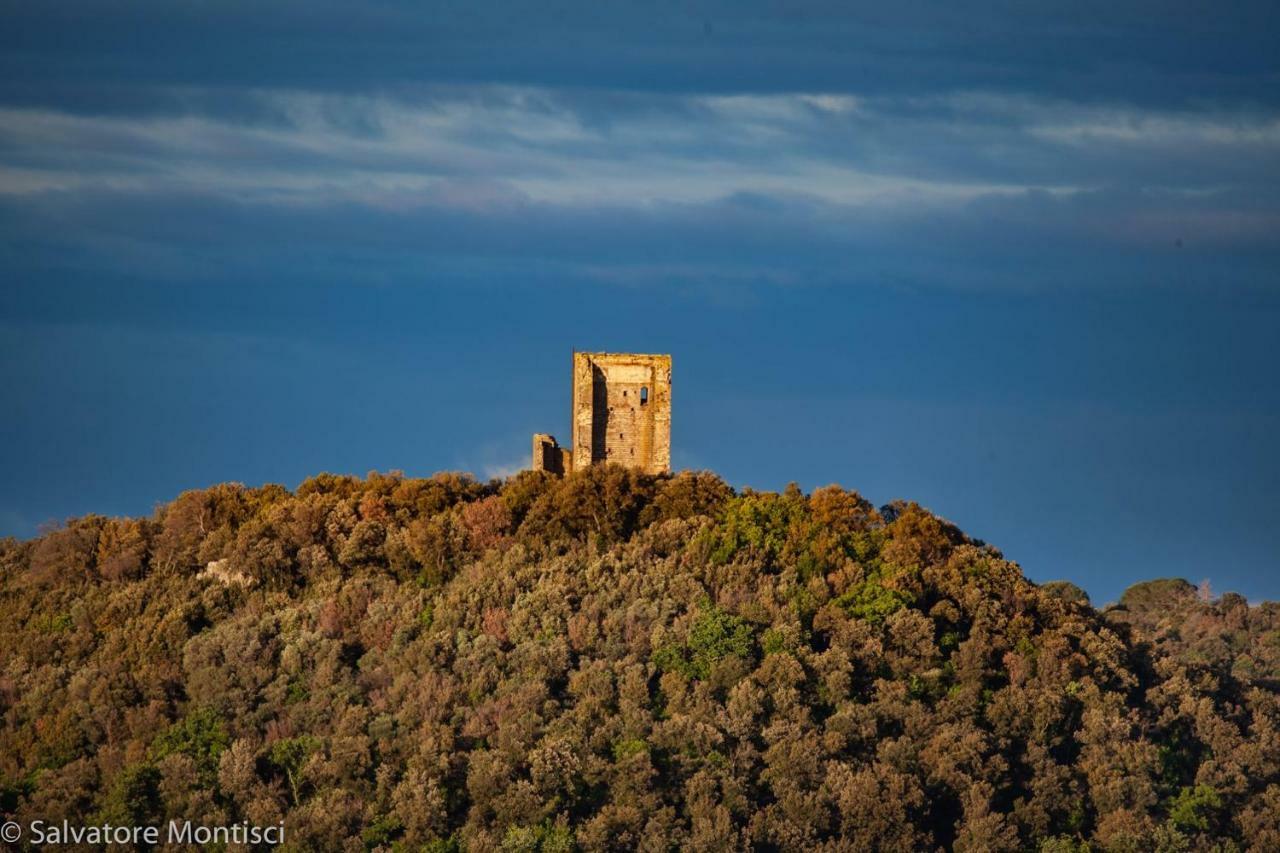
(1015, 262)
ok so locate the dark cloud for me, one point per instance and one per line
(1027, 240)
(1163, 53)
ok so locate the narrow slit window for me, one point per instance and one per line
(644, 395)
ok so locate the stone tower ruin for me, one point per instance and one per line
(621, 413)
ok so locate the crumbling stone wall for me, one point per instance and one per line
(548, 455)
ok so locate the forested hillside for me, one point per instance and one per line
(616, 661)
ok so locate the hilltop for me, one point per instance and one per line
(614, 660)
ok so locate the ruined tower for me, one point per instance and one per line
(621, 413)
(622, 409)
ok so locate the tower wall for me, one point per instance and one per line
(622, 410)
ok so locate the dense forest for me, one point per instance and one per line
(618, 661)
